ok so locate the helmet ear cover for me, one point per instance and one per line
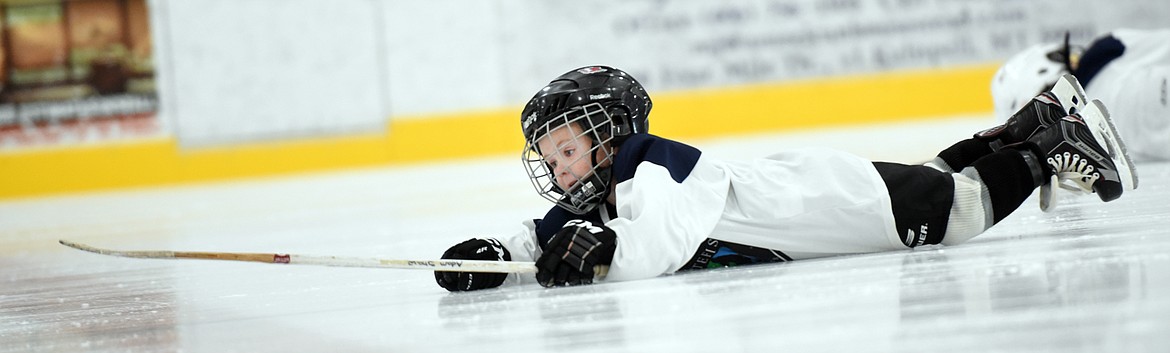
(620, 124)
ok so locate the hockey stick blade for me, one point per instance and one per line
(335, 261)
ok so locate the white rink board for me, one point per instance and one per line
(243, 71)
(1087, 277)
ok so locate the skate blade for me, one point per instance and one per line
(1047, 199)
(1097, 117)
(1070, 94)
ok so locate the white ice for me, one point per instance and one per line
(1089, 277)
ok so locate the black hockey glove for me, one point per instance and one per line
(473, 249)
(570, 255)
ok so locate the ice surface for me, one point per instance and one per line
(1088, 277)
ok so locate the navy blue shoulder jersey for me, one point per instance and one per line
(679, 159)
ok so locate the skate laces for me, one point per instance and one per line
(1071, 168)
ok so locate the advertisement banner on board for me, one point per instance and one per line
(76, 72)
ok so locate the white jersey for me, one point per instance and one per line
(1128, 71)
(677, 209)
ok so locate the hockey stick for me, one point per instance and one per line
(434, 265)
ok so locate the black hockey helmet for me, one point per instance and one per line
(607, 105)
(625, 101)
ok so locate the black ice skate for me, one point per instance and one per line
(1085, 154)
(1101, 124)
(1066, 97)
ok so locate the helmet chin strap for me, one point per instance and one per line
(603, 174)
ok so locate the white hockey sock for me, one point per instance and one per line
(939, 164)
(971, 212)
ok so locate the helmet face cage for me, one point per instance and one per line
(588, 124)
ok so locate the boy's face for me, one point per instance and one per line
(567, 151)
